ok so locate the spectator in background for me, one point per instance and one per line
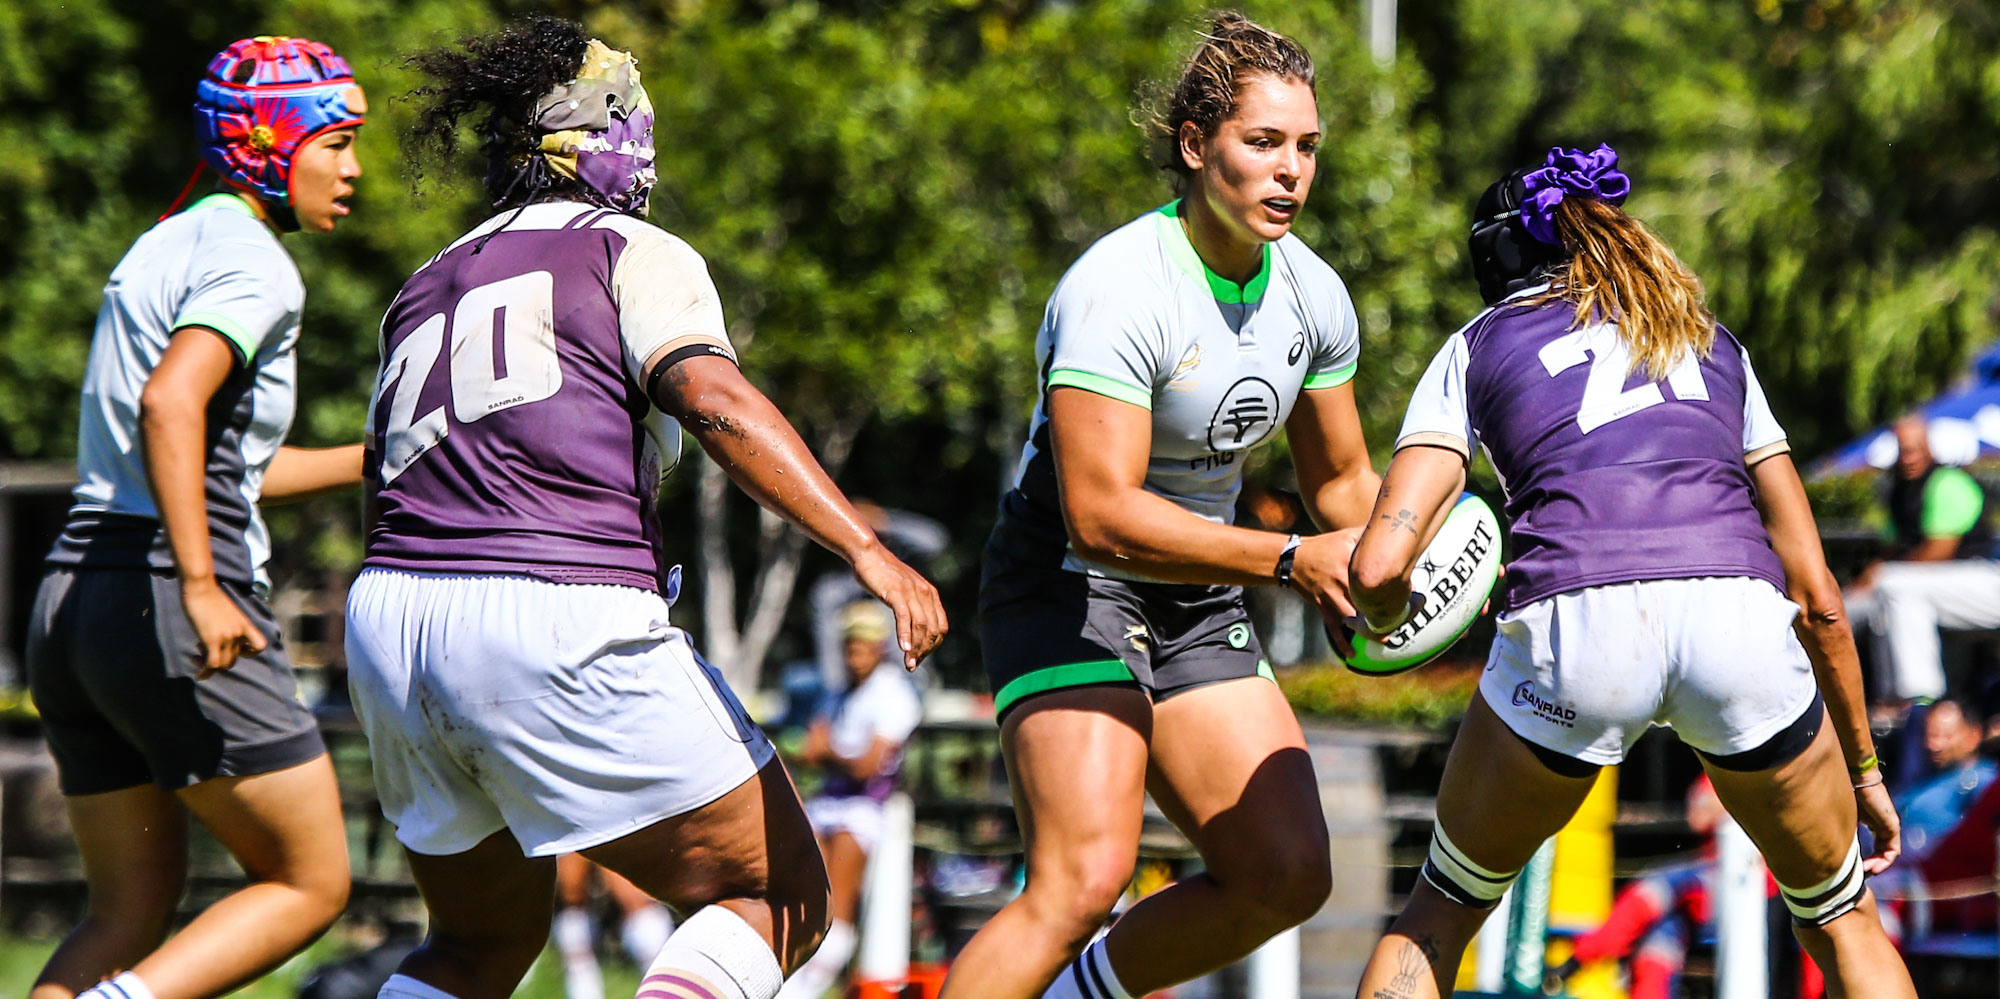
(1931, 809)
(858, 745)
(1940, 572)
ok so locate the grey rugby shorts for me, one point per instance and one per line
(111, 664)
(1044, 628)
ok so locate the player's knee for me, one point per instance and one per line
(1814, 906)
(1078, 897)
(1289, 883)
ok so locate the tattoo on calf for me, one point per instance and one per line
(1412, 964)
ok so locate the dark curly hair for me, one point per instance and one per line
(504, 72)
(1233, 49)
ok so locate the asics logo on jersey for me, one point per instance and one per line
(1250, 405)
(1298, 348)
(1548, 711)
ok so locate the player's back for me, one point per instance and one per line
(508, 427)
(1611, 476)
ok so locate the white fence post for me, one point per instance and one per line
(885, 919)
(1742, 967)
(1274, 967)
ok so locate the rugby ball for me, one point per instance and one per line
(1456, 574)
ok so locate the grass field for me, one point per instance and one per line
(22, 958)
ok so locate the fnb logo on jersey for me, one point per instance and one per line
(1524, 694)
(1442, 587)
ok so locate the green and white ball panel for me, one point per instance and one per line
(1456, 574)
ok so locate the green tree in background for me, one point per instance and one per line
(887, 191)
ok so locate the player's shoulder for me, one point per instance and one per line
(1307, 268)
(1129, 259)
(643, 238)
(225, 241)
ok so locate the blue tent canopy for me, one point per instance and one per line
(1964, 426)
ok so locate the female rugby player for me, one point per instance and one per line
(1112, 615)
(524, 692)
(152, 656)
(1664, 549)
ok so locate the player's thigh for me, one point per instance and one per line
(1498, 801)
(751, 843)
(133, 844)
(488, 900)
(1230, 767)
(284, 825)
(1076, 763)
(1801, 813)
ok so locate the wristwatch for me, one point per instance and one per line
(1284, 570)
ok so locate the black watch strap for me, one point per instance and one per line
(1283, 572)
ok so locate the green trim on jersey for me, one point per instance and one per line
(1331, 379)
(1952, 503)
(1109, 387)
(225, 199)
(231, 330)
(1058, 677)
(1175, 239)
(1264, 670)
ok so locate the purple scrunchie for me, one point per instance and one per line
(1570, 171)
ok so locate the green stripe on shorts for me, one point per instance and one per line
(1058, 677)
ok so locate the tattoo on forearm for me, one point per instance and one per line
(1401, 520)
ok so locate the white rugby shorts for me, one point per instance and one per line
(857, 815)
(569, 714)
(1585, 673)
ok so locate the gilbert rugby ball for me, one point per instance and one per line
(1456, 574)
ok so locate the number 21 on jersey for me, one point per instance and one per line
(503, 354)
(1605, 397)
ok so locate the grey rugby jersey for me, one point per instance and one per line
(215, 265)
(1139, 318)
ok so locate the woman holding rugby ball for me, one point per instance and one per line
(1664, 549)
(1112, 618)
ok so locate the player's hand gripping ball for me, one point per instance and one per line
(1455, 575)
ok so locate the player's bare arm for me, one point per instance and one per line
(173, 423)
(301, 473)
(757, 446)
(1824, 630)
(1418, 491)
(1336, 478)
(1101, 449)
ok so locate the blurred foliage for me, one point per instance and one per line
(1853, 499)
(887, 190)
(1434, 697)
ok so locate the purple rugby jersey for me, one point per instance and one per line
(508, 430)
(1609, 477)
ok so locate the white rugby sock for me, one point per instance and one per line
(582, 977)
(645, 931)
(125, 986)
(714, 955)
(819, 973)
(1088, 977)
(405, 987)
